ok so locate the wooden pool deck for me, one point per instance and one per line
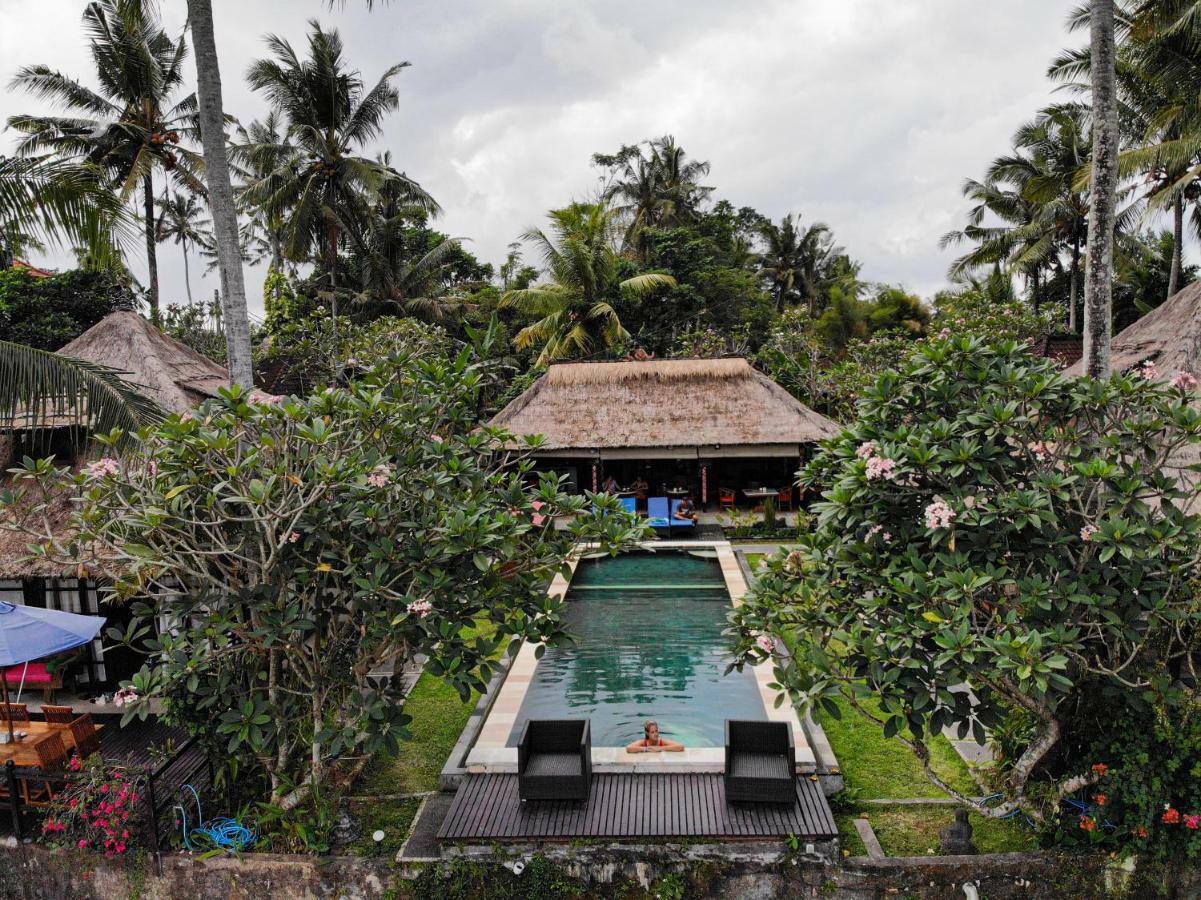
(623, 806)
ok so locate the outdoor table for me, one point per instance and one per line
(676, 492)
(759, 493)
(23, 753)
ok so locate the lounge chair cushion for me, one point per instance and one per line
(759, 765)
(37, 674)
(554, 765)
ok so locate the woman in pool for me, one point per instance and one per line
(652, 742)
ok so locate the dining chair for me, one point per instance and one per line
(52, 757)
(58, 715)
(784, 499)
(726, 498)
(87, 741)
(17, 713)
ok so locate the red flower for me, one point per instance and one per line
(1088, 823)
(1099, 799)
(1171, 816)
(1140, 831)
(1193, 822)
(1101, 769)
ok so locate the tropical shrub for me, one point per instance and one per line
(988, 522)
(301, 551)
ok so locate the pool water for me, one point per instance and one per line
(649, 644)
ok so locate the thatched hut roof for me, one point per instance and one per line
(172, 374)
(1169, 336)
(709, 403)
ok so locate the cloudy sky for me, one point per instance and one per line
(864, 114)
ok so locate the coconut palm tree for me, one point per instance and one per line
(45, 201)
(796, 263)
(182, 220)
(132, 125)
(1098, 292)
(328, 111)
(655, 187)
(575, 309)
(220, 194)
(261, 149)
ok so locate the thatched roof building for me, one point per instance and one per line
(721, 407)
(1169, 336)
(172, 374)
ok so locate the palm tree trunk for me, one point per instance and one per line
(187, 278)
(151, 246)
(1074, 285)
(221, 194)
(1098, 288)
(1177, 246)
(1034, 289)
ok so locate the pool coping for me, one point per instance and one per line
(489, 752)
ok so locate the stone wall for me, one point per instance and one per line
(35, 873)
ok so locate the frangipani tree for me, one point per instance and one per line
(988, 523)
(303, 550)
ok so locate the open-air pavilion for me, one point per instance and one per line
(679, 425)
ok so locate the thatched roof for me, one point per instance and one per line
(172, 374)
(1169, 336)
(661, 403)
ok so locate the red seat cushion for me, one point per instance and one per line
(37, 674)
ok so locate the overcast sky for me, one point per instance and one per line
(864, 114)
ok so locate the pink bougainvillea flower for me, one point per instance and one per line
(380, 475)
(881, 467)
(420, 608)
(1184, 381)
(1088, 823)
(102, 468)
(1193, 822)
(939, 514)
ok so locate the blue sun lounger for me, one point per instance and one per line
(629, 504)
(657, 512)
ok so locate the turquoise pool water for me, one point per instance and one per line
(649, 644)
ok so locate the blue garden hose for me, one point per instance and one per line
(222, 832)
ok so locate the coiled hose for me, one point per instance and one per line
(221, 833)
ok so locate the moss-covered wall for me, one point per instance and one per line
(35, 873)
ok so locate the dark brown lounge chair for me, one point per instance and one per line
(760, 762)
(554, 760)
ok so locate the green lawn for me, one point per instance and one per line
(439, 717)
(876, 767)
(913, 831)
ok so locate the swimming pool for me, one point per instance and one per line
(649, 644)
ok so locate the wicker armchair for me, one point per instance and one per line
(760, 762)
(554, 760)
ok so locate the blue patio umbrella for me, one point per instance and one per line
(28, 633)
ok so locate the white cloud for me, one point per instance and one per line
(863, 114)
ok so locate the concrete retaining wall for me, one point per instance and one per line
(35, 873)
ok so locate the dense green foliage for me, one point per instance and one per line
(321, 542)
(987, 521)
(47, 313)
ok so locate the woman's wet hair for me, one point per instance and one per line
(646, 729)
